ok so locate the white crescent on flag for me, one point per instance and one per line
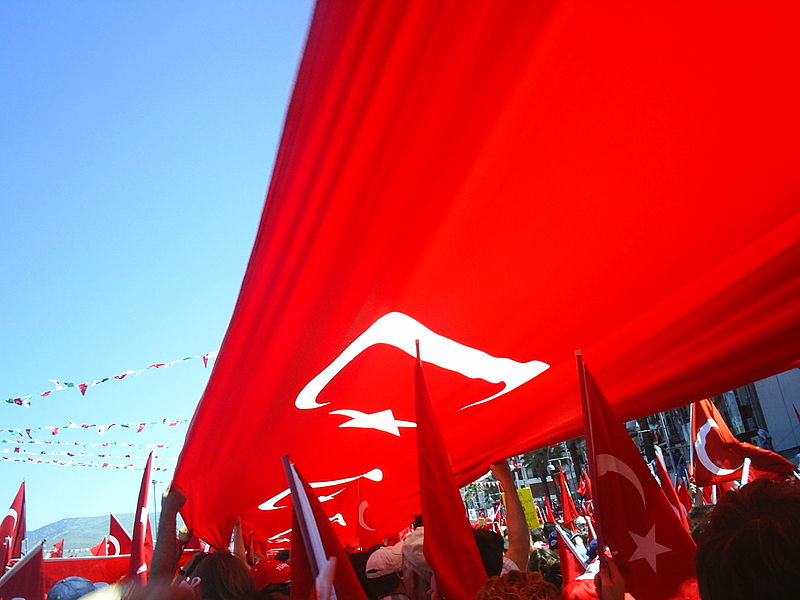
(607, 463)
(702, 454)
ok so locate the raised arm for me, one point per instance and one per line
(517, 527)
(165, 554)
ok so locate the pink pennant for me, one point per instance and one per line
(82, 387)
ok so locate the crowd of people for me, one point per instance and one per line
(746, 548)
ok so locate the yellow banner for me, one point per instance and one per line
(526, 498)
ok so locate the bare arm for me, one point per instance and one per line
(165, 554)
(518, 538)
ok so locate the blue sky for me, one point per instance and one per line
(136, 146)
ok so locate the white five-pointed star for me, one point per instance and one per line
(647, 547)
(382, 421)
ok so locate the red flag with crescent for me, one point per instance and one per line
(119, 540)
(633, 517)
(13, 525)
(142, 542)
(460, 173)
(719, 457)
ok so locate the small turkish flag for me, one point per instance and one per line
(719, 456)
(653, 550)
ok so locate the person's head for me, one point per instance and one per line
(537, 535)
(547, 529)
(70, 588)
(282, 555)
(271, 578)
(547, 563)
(749, 548)
(490, 547)
(518, 585)
(383, 570)
(698, 517)
(220, 576)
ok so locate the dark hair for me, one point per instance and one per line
(359, 562)
(548, 564)
(490, 547)
(548, 528)
(537, 535)
(518, 584)
(749, 548)
(698, 517)
(384, 585)
(223, 576)
(282, 555)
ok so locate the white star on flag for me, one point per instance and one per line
(382, 421)
(647, 547)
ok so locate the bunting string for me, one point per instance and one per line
(74, 463)
(60, 386)
(101, 429)
(90, 445)
(18, 450)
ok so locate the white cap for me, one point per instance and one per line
(385, 561)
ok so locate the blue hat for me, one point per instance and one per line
(70, 588)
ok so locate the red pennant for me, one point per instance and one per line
(719, 456)
(119, 540)
(82, 387)
(100, 549)
(58, 550)
(569, 512)
(140, 556)
(571, 566)
(313, 542)
(13, 524)
(450, 548)
(669, 491)
(652, 548)
(26, 577)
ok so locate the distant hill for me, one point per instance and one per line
(78, 532)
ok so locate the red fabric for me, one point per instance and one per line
(669, 491)
(477, 166)
(13, 525)
(449, 547)
(708, 495)
(570, 565)
(100, 568)
(570, 513)
(140, 553)
(100, 549)
(719, 456)
(58, 550)
(119, 540)
(683, 495)
(549, 515)
(25, 579)
(653, 550)
(345, 581)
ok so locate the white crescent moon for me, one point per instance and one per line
(114, 544)
(702, 455)
(399, 330)
(607, 463)
(272, 503)
(361, 508)
(13, 514)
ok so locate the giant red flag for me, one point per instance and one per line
(461, 173)
(119, 540)
(140, 554)
(653, 550)
(12, 527)
(314, 542)
(450, 547)
(719, 456)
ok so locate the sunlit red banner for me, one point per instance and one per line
(506, 182)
